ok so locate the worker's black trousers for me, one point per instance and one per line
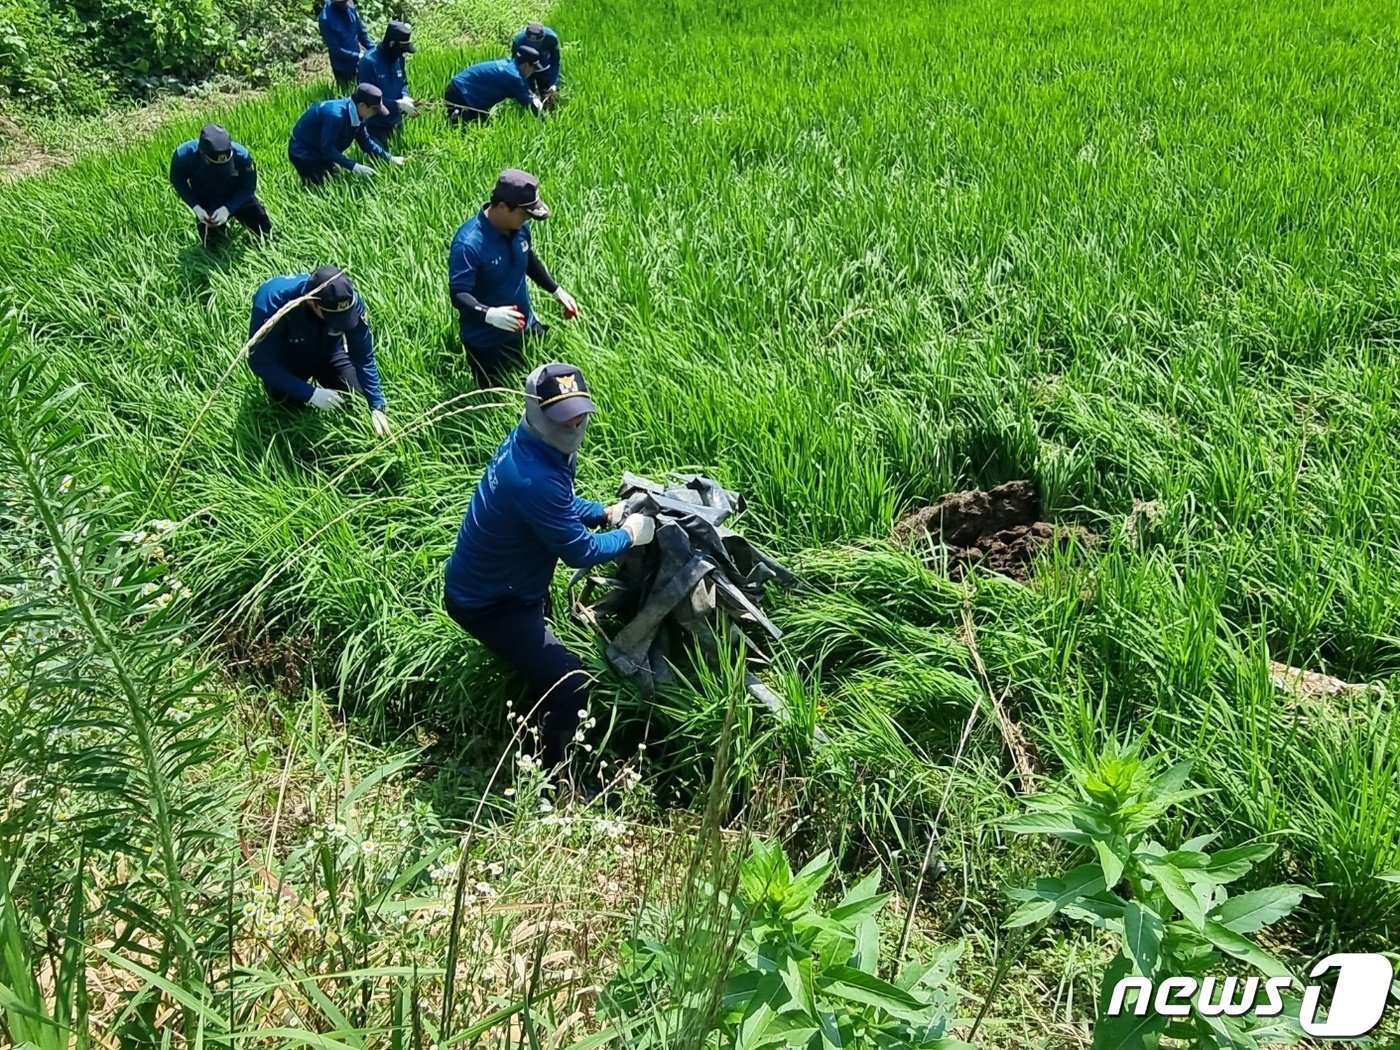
(336, 372)
(312, 172)
(458, 112)
(252, 215)
(489, 364)
(517, 633)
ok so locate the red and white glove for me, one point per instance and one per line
(506, 318)
(567, 302)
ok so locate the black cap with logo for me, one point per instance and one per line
(562, 392)
(215, 146)
(369, 95)
(396, 37)
(337, 299)
(526, 53)
(520, 189)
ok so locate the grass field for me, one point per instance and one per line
(845, 260)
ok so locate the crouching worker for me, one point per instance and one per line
(522, 520)
(324, 132)
(545, 79)
(326, 338)
(217, 179)
(476, 90)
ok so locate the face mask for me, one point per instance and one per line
(565, 439)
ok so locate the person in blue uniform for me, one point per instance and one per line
(385, 67)
(218, 181)
(523, 519)
(472, 93)
(346, 39)
(325, 338)
(324, 132)
(490, 258)
(545, 80)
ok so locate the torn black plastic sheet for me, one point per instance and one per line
(670, 593)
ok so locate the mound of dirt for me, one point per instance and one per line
(999, 530)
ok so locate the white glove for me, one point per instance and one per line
(219, 217)
(200, 214)
(323, 398)
(408, 107)
(640, 527)
(363, 169)
(396, 160)
(537, 105)
(379, 421)
(567, 302)
(506, 318)
(615, 513)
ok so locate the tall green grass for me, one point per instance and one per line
(846, 259)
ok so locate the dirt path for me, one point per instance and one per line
(23, 155)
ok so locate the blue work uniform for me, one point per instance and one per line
(522, 520)
(209, 186)
(323, 133)
(389, 74)
(345, 36)
(548, 48)
(301, 347)
(484, 84)
(490, 265)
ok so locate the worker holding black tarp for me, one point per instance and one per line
(522, 520)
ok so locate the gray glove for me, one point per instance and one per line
(641, 527)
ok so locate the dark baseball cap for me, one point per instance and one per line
(215, 144)
(562, 391)
(398, 33)
(337, 299)
(369, 95)
(535, 31)
(526, 53)
(520, 189)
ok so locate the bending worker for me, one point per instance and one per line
(384, 66)
(522, 520)
(545, 80)
(472, 93)
(217, 178)
(326, 338)
(346, 39)
(324, 132)
(488, 262)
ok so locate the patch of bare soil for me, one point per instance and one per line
(999, 529)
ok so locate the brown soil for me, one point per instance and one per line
(998, 530)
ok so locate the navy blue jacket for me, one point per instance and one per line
(389, 75)
(482, 85)
(491, 266)
(549, 54)
(300, 342)
(325, 131)
(522, 520)
(344, 35)
(230, 185)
